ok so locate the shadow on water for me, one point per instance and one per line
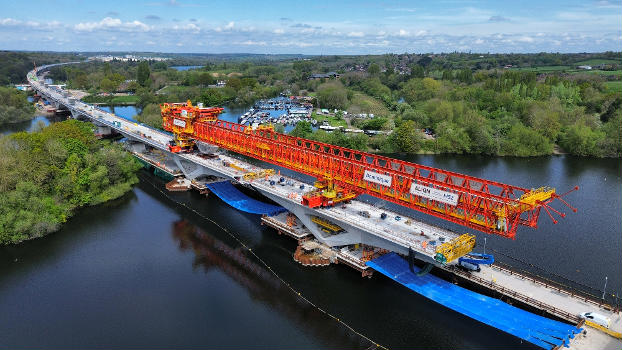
(263, 286)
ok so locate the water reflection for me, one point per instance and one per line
(262, 285)
(30, 125)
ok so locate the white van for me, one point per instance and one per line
(596, 318)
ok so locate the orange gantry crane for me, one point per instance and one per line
(342, 174)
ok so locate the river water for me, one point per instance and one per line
(144, 271)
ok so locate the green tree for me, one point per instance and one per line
(151, 116)
(332, 95)
(107, 69)
(234, 83)
(451, 138)
(205, 79)
(373, 69)
(212, 97)
(582, 140)
(108, 85)
(14, 106)
(406, 138)
(302, 129)
(143, 73)
(416, 71)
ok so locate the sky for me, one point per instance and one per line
(312, 27)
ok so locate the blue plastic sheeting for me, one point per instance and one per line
(232, 196)
(535, 329)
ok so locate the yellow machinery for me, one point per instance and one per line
(326, 224)
(612, 333)
(326, 194)
(256, 175)
(457, 247)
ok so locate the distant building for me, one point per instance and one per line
(324, 76)
(585, 67)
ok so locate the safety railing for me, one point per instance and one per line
(557, 287)
(517, 296)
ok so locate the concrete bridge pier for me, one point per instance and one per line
(135, 146)
(350, 234)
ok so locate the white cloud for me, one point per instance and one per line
(278, 31)
(479, 41)
(254, 43)
(421, 33)
(188, 27)
(356, 34)
(402, 32)
(109, 23)
(9, 22)
(525, 39)
(229, 26)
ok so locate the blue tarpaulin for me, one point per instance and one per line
(533, 328)
(232, 196)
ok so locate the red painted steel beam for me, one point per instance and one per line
(479, 200)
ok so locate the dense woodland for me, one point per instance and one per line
(496, 104)
(14, 106)
(48, 174)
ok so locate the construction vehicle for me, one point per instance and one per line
(326, 194)
(342, 174)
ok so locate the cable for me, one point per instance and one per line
(237, 239)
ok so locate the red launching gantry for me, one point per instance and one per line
(343, 173)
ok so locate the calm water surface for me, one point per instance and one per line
(145, 272)
(180, 68)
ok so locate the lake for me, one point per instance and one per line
(181, 68)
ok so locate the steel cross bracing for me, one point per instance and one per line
(484, 205)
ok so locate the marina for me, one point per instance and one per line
(286, 111)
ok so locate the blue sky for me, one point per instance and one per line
(312, 26)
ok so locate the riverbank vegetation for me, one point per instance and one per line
(492, 104)
(47, 175)
(14, 106)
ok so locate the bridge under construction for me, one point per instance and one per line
(317, 188)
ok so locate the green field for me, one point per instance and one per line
(331, 119)
(125, 99)
(543, 69)
(614, 86)
(362, 103)
(601, 72)
(567, 69)
(595, 61)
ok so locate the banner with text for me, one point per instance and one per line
(179, 123)
(384, 180)
(434, 194)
